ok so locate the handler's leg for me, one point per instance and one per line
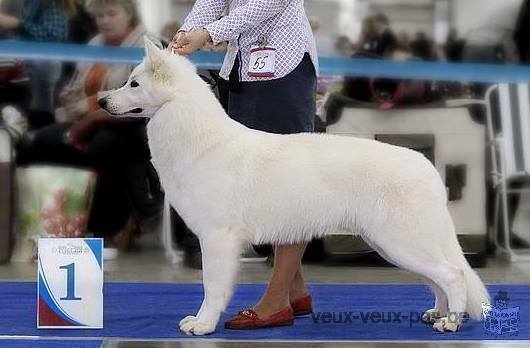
(298, 288)
(287, 263)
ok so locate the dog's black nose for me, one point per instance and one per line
(102, 103)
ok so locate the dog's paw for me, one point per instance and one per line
(430, 316)
(196, 327)
(186, 319)
(444, 324)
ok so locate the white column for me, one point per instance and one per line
(155, 14)
(351, 14)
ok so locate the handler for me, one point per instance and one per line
(271, 65)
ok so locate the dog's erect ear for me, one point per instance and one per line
(152, 52)
(157, 62)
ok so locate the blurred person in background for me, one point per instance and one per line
(376, 41)
(89, 137)
(492, 38)
(386, 41)
(14, 78)
(454, 46)
(344, 46)
(422, 47)
(82, 26)
(42, 21)
(368, 40)
(281, 102)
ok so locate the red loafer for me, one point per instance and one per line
(248, 320)
(302, 305)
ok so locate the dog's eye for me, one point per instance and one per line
(134, 84)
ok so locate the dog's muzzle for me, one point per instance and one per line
(104, 104)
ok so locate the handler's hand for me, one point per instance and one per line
(79, 108)
(176, 41)
(70, 95)
(186, 43)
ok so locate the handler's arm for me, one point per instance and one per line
(243, 18)
(203, 13)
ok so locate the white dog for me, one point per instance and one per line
(234, 185)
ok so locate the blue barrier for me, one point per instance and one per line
(329, 66)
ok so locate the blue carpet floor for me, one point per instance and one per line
(140, 310)
(49, 344)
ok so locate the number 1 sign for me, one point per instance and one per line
(70, 283)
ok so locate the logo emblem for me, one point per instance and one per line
(499, 319)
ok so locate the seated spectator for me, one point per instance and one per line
(89, 137)
(44, 21)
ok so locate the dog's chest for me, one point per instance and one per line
(163, 152)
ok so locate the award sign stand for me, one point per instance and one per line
(70, 283)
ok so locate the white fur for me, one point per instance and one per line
(233, 185)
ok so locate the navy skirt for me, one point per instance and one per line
(282, 106)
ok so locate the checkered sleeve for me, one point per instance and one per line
(244, 18)
(204, 12)
(52, 26)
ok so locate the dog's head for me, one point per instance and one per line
(153, 83)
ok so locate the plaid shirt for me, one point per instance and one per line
(41, 22)
(283, 23)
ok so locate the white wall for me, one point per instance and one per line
(337, 17)
(466, 14)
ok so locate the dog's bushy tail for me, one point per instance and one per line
(477, 294)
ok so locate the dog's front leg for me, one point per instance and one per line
(220, 257)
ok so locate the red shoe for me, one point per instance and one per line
(302, 305)
(248, 320)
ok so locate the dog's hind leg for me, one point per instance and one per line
(414, 245)
(220, 258)
(440, 306)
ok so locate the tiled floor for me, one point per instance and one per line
(150, 265)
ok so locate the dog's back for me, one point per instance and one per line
(301, 186)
